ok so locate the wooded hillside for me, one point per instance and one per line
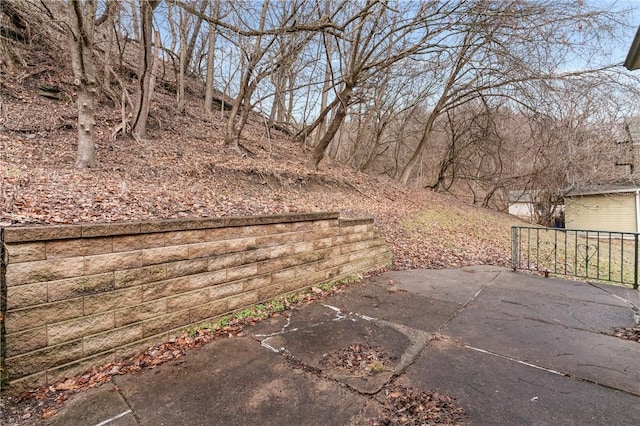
(143, 109)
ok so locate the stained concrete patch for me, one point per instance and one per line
(497, 391)
(96, 406)
(235, 381)
(381, 299)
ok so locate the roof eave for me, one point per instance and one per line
(633, 57)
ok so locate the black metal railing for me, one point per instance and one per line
(593, 255)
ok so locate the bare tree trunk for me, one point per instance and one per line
(145, 71)
(194, 36)
(184, 24)
(208, 95)
(336, 122)
(248, 83)
(326, 86)
(80, 35)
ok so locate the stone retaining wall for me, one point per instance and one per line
(81, 295)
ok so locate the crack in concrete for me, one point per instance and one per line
(283, 330)
(549, 370)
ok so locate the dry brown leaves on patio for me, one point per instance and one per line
(627, 333)
(409, 406)
(359, 359)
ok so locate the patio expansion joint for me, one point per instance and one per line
(549, 370)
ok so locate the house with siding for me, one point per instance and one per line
(616, 206)
(604, 208)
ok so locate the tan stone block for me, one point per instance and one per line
(77, 368)
(22, 296)
(283, 275)
(26, 341)
(280, 251)
(36, 316)
(141, 312)
(79, 327)
(167, 225)
(253, 256)
(112, 262)
(187, 300)
(225, 261)
(272, 265)
(243, 300)
(323, 243)
(177, 238)
(303, 247)
(164, 323)
(166, 288)
(208, 310)
(42, 359)
(340, 240)
(358, 255)
(359, 266)
(28, 383)
(271, 291)
(255, 283)
(220, 291)
(280, 239)
(321, 233)
(207, 279)
(208, 249)
(26, 252)
(43, 270)
(139, 276)
(165, 254)
(41, 233)
(219, 234)
(110, 229)
(136, 242)
(80, 286)
(111, 339)
(187, 267)
(240, 244)
(242, 272)
(258, 230)
(114, 299)
(78, 247)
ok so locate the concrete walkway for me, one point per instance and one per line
(511, 348)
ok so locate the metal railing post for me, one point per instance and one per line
(635, 262)
(514, 248)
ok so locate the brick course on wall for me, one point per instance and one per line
(74, 296)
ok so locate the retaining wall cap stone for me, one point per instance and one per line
(21, 234)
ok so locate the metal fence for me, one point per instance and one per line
(592, 255)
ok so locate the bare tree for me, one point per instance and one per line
(376, 37)
(82, 17)
(144, 87)
(507, 49)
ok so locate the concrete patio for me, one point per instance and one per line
(511, 348)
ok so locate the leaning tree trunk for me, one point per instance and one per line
(80, 35)
(336, 122)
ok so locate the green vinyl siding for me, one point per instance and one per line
(606, 212)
